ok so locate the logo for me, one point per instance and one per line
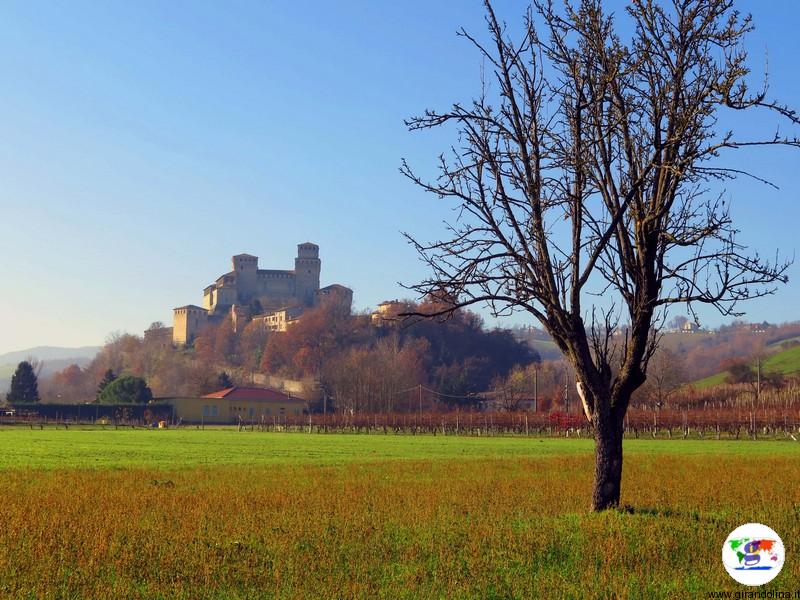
(753, 554)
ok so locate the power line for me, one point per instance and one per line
(419, 386)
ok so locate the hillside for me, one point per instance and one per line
(47, 353)
(683, 342)
(53, 359)
(785, 362)
(547, 349)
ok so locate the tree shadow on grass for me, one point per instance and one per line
(668, 512)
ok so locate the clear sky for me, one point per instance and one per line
(144, 143)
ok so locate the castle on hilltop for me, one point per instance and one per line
(275, 298)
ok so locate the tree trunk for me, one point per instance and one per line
(608, 462)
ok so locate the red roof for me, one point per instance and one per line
(249, 393)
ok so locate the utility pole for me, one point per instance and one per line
(420, 400)
(536, 388)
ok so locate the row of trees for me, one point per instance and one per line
(377, 369)
(111, 389)
(361, 366)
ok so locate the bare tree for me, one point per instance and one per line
(509, 392)
(665, 375)
(588, 165)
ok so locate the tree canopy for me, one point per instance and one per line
(126, 390)
(24, 384)
(108, 377)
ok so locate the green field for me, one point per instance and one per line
(189, 448)
(785, 361)
(218, 513)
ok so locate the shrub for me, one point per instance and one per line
(126, 390)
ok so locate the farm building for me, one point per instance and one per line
(237, 404)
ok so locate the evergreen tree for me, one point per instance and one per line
(224, 380)
(126, 390)
(107, 379)
(24, 385)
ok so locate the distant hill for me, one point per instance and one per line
(547, 349)
(45, 353)
(785, 362)
(682, 342)
(539, 341)
(53, 358)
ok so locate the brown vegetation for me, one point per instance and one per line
(361, 367)
(407, 529)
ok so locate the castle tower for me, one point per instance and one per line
(187, 322)
(245, 266)
(307, 267)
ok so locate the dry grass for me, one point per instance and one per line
(484, 528)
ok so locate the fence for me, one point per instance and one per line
(68, 414)
(735, 422)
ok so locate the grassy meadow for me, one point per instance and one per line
(227, 514)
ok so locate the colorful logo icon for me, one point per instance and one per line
(753, 554)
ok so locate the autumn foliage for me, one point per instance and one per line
(360, 366)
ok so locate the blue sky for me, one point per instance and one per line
(145, 143)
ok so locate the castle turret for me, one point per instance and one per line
(307, 267)
(187, 322)
(245, 266)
